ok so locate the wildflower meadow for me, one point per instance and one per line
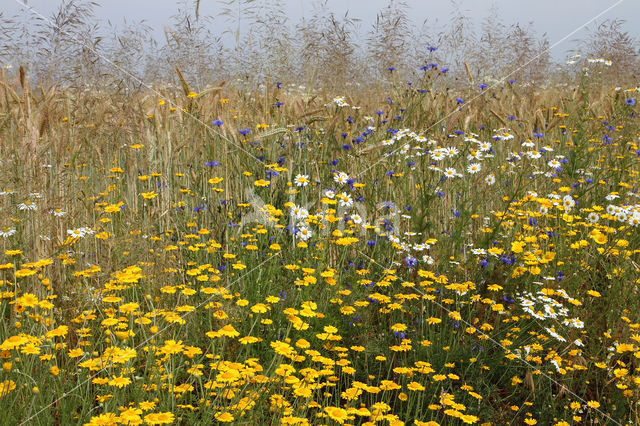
(411, 252)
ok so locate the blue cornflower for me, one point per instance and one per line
(630, 101)
(244, 131)
(410, 261)
(212, 164)
(217, 122)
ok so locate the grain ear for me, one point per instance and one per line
(22, 77)
(468, 71)
(183, 82)
(528, 379)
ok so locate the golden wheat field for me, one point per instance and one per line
(435, 253)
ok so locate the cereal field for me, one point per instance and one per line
(401, 254)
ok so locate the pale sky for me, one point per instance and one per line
(557, 18)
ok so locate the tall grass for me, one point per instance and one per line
(73, 47)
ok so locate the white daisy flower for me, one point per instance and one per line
(554, 164)
(474, 168)
(490, 180)
(27, 205)
(450, 172)
(345, 200)
(302, 180)
(341, 178)
(7, 232)
(304, 233)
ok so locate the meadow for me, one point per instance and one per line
(433, 247)
(409, 255)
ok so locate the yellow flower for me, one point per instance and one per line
(120, 382)
(336, 414)
(27, 300)
(147, 405)
(58, 332)
(149, 195)
(131, 416)
(593, 404)
(224, 417)
(228, 331)
(6, 387)
(172, 347)
(433, 320)
(249, 339)
(455, 315)
(415, 386)
(598, 237)
(75, 353)
(261, 182)
(389, 385)
(345, 241)
(159, 418)
(113, 208)
(20, 273)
